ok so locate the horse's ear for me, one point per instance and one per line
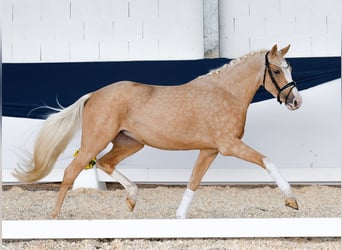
(274, 50)
(285, 50)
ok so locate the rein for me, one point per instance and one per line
(291, 84)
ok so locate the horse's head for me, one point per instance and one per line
(277, 78)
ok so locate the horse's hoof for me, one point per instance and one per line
(130, 203)
(53, 215)
(292, 203)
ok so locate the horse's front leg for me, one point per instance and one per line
(203, 162)
(282, 183)
(244, 152)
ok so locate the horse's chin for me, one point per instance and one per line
(291, 107)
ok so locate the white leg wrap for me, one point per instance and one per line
(130, 187)
(278, 178)
(185, 204)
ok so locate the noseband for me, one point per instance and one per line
(280, 90)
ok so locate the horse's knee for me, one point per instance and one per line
(242, 151)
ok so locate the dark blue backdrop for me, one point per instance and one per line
(29, 85)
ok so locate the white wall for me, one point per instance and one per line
(100, 30)
(103, 30)
(313, 27)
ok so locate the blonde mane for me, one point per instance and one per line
(234, 62)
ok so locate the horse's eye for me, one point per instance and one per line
(277, 72)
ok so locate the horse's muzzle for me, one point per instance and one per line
(294, 100)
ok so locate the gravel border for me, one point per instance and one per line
(161, 202)
(184, 244)
(37, 201)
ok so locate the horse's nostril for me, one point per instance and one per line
(295, 103)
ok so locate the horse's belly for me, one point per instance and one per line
(170, 141)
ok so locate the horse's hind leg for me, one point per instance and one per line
(70, 174)
(123, 146)
(244, 152)
(96, 135)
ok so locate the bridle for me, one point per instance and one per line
(291, 84)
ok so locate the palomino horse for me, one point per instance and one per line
(207, 113)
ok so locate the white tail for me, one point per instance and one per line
(51, 141)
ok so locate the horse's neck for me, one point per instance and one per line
(243, 80)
